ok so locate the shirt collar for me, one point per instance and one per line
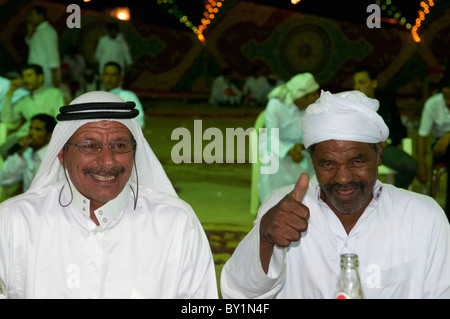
(106, 213)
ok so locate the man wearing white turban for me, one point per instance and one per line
(101, 219)
(284, 111)
(402, 238)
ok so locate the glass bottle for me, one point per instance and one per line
(349, 283)
(3, 291)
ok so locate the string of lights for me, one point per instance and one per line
(177, 13)
(422, 13)
(213, 6)
(392, 10)
(211, 10)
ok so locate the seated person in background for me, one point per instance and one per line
(41, 100)
(26, 156)
(223, 91)
(293, 251)
(5, 83)
(365, 80)
(112, 79)
(436, 120)
(256, 87)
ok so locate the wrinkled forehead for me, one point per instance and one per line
(103, 130)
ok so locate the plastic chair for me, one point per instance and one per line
(256, 164)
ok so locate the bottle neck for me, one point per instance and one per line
(349, 261)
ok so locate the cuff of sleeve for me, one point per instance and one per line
(277, 263)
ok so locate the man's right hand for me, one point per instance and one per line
(284, 222)
(13, 85)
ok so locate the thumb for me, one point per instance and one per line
(300, 187)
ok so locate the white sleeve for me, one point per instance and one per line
(242, 275)
(11, 264)
(199, 277)
(274, 116)
(437, 283)
(426, 120)
(12, 171)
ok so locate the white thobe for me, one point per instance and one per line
(158, 250)
(257, 88)
(402, 240)
(223, 91)
(113, 50)
(127, 96)
(288, 119)
(44, 50)
(21, 168)
(435, 117)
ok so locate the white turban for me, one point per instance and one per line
(348, 116)
(297, 87)
(150, 172)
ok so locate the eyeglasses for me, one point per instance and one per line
(95, 147)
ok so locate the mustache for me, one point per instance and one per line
(348, 186)
(104, 171)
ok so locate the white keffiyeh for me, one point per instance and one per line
(348, 116)
(150, 172)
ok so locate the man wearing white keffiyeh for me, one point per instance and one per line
(101, 219)
(293, 251)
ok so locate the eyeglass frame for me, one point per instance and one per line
(78, 145)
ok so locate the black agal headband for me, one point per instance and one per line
(97, 110)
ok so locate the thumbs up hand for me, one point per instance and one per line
(284, 223)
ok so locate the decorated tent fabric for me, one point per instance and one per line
(284, 42)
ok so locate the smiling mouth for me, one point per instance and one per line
(102, 178)
(345, 192)
(103, 174)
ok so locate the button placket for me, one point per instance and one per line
(92, 282)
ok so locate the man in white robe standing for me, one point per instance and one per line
(113, 47)
(293, 251)
(43, 43)
(101, 219)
